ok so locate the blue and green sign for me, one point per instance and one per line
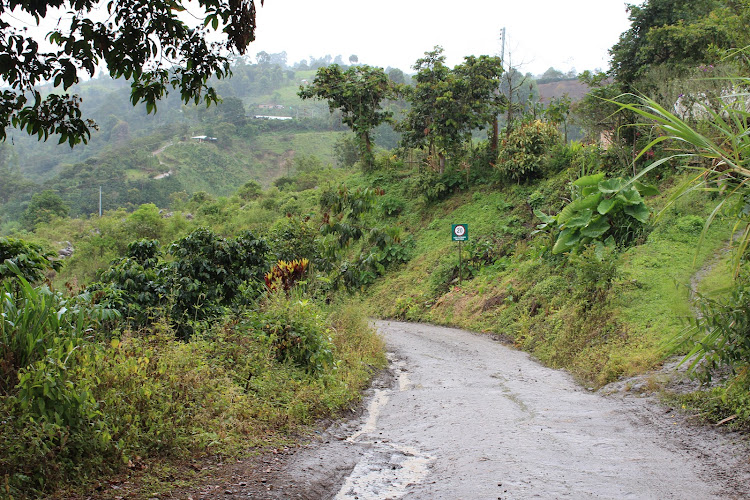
(460, 232)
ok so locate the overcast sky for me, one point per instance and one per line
(540, 33)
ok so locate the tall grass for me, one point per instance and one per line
(718, 156)
(32, 318)
(718, 150)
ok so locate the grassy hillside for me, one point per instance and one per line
(599, 319)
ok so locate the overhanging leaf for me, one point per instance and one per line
(596, 228)
(646, 189)
(566, 239)
(589, 180)
(581, 219)
(576, 205)
(630, 196)
(611, 185)
(547, 219)
(640, 212)
(605, 206)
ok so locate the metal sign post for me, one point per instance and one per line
(460, 233)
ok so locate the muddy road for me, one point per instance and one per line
(460, 416)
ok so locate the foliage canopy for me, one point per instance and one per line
(677, 33)
(446, 105)
(141, 40)
(358, 93)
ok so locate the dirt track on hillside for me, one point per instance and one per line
(460, 416)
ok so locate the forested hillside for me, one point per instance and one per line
(132, 151)
(218, 305)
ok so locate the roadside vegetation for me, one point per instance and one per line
(220, 309)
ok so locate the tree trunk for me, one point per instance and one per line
(495, 133)
(366, 147)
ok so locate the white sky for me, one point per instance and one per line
(564, 34)
(540, 33)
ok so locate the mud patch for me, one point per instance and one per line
(493, 302)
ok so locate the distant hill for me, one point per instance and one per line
(574, 88)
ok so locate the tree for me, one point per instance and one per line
(232, 110)
(279, 59)
(446, 105)
(44, 207)
(263, 58)
(353, 59)
(397, 76)
(480, 79)
(141, 40)
(674, 32)
(358, 93)
(511, 88)
(13, 183)
(551, 75)
(558, 111)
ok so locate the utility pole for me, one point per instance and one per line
(502, 49)
(100, 201)
(495, 124)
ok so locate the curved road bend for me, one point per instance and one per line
(460, 416)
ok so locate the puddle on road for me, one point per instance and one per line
(387, 469)
(373, 412)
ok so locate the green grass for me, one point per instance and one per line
(552, 307)
(319, 144)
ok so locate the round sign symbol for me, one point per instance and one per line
(459, 230)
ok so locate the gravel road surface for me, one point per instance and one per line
(461, 416)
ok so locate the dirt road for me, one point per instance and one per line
(464, 417)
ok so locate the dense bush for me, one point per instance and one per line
(51, 417)
(523, 155)
(38, 325)
(433, 185)
(297, 333)
(83, 407)
(292, 237)
(603, 211)
(31, 261)
(720, 336)
(207, 273)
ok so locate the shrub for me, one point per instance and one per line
(297, 333)
(145, 222)
(720, 335)
(594, 271)
(31, 261)
(51, 417)
(135, 285)
(250, 190)
(293, 238)
(434, 186)
(523, 154)
(284, 275)
(207, 273)
(610, 211)
(391, 206)
(38, 324)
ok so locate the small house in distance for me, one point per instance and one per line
(204, 138)
(265, 117)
